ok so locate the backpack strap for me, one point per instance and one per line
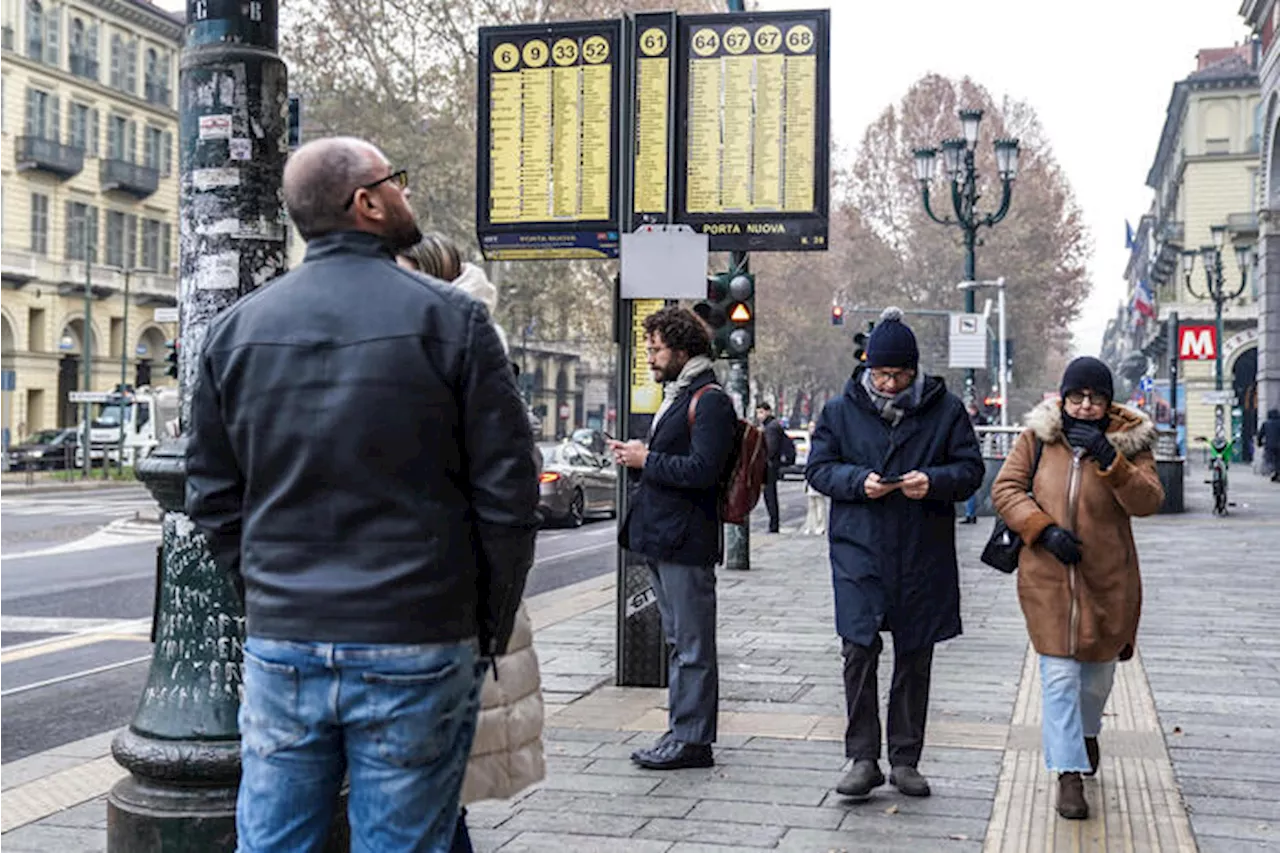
(693, 404)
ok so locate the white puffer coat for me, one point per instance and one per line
(507, 754)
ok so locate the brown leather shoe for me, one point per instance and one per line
(1071, 802)
(1091, 749)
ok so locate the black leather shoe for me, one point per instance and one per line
(861, 779)
(1095, 755)
(1071, 802)
(909, 781)
(675, 755)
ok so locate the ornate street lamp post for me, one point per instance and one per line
(1215, 290)
(958, 162)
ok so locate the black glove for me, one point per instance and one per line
(1091, 437)
(1062, 544)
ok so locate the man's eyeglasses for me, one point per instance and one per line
(1077, 398)
(883, 375)
(401, 179)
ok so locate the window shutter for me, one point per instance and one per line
(132, 139)
(53, 29)
(71, 248)
(117, 61)
(93, 133)
(148, 150)
(91, 50)
(33, 113)
(114, 143)
(55, 118)
(131, 68)
(131, 240)
(166, 154)
(166, 257)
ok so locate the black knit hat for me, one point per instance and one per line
(892, 343)
(1087, 372)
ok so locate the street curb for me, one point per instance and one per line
(50, 488)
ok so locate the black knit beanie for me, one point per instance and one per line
(892, 343)
(1087, 372)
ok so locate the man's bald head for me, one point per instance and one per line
(320, 177)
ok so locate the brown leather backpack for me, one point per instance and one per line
(743, 477)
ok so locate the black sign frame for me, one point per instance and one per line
(779, 231)
(559, 239)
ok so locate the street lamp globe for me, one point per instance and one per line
(926, 163)
(1210, 256)
(953, 157)
(1244, 253)
(1007, 158)
(969, 121)
(1188, 261)
(1219, 233)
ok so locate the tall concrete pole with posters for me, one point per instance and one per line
(182, 748)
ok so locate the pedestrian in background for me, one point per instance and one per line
(673, 520)
(1078, 580)
(895, 452)
(507, 755)
(362, 469)
(775, 438)
(977, 419)
(1269, 438)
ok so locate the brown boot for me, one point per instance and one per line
(1091, 749)
(1071, 802)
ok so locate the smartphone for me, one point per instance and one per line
(890, 479)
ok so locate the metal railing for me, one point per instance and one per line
(140, 181)
(34, 152)
(997, 441)
(84, 66)
(157, 94)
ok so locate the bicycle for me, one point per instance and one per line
(1220, 450)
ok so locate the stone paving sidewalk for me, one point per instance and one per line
(1190, 746)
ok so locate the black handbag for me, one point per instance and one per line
(1004, 546)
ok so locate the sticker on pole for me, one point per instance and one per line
(220, 271)
(215, 127)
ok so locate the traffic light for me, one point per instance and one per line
(171, 359)
(837, 315)
(730, 312)
(860, 342)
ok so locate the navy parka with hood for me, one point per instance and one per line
(893, 560)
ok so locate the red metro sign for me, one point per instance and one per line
(1197, 343)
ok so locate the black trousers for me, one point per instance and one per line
(771, 478)
(908, 703)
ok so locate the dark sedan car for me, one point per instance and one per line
(576, 483)
(46, 450)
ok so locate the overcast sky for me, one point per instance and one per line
(1098, 72)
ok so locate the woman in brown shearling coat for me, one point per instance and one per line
(1078, 580)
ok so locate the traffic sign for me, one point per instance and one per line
(1147, 384)
(166, 315)
(547, 141)
(751, 149)
(968, 341)
(1198, 343)
(1218, 398)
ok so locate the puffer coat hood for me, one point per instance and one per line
(1089, 612)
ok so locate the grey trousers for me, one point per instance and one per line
(687, 602)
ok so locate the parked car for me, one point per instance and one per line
(592, 439)
(48, 449)
(576, 483)
(796, 469)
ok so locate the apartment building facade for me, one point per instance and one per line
(88, 170)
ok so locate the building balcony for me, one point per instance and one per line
(49, 155)
(84, 66)
(130, 178)
(1243, 226)
(157, 94)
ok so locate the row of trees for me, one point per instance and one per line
(403, 73)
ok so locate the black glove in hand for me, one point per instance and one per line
(1092, 438)
(1062, 544)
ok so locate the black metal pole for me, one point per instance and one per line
(737, 537)
(182, 748)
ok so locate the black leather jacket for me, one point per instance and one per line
(359, 456)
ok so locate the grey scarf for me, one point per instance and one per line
(693, 368)
(894, 407)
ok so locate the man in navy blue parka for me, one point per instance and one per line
(894, 452)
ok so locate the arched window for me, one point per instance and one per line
(35, 30)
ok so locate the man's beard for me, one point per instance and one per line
(403, 235)
(670, 373)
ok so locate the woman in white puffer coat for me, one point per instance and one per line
(507, 754)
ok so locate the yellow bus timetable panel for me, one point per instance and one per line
(548, 140)
(753, 142)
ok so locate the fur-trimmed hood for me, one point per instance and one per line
(1130, 431)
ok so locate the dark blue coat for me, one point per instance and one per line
(893, 560)
(673, 514)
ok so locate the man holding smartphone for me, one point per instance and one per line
(895, 452)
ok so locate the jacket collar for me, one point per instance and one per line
(1129, 431)
(347, 243)
(935, 388)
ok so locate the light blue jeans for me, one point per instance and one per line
(398, 719)
(1074, 694)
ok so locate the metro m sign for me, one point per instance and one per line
(1197, 343)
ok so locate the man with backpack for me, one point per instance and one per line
(780, 451)
(673, 519)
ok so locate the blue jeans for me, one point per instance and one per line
(398, 719)
(971, 507)
(1074, 694)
